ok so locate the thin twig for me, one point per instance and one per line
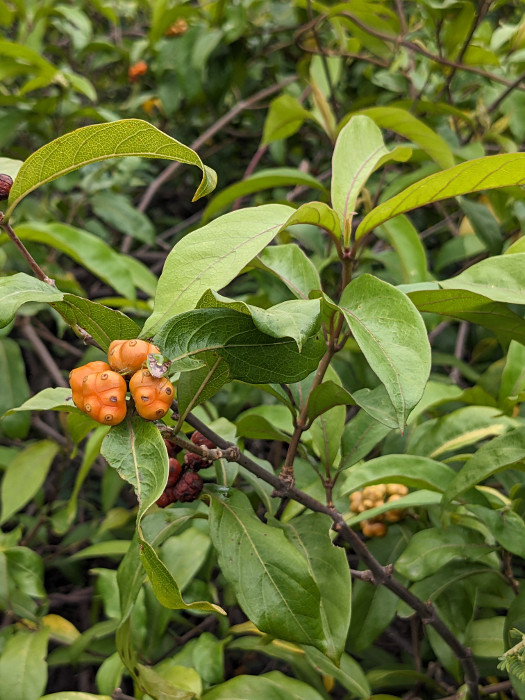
(42, 352)
(39, 273)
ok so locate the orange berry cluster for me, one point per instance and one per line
(184, 484)
(373, 496)
(99, 389)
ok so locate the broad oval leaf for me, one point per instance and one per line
(270, 578)
(473, 176)
(90, 144)
(499, 278)
(359, 150)
(19, 289)
(251, 356)
(136, 450)
(393, 338)
(23, 669)
(431, 549)
(211, 257)
(329, 567)
(412, 471)
(291, 265)
(51, 399)
(271, 686)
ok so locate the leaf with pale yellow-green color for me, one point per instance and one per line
(91, 144)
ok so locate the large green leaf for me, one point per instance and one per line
(271, 579)
(402, 122)
(432, 548)
(291, 265)
(19, 289)
(473, 307)
(297, 319)
(251, 356)
(392, 336)
(499, 278)
(90, 144)
(52, 399)
(359, 150)
(25, 475)
(328, 567)
(501, 452)
(23, 669)
(262, 180)
(404, 239)
(211, 257)
(473, 176)
(102, 323)
(86, 249)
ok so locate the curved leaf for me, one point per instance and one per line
(473, 176)
(211, 257)
(413, 471)
(90, 144)
(402, 122)
(292, 266)
(19, 289)
(499, 278)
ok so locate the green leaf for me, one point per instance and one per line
(326, 396)
(484, 224)
(25, 570)
(316, 214)
(360, 436)
(184, 554)
(485, 636)
(412, 471)
(505, 525)
(473, 307)
(297, 319)
(501, 452)
(251, 356)
(164, 585)
(25, 475)
(136, 450)
(402, 122)
(392, 337)
(326, 431)
(349, 673)
(107, 548)
(14, 388)
(19, 289)
(499, 278)
(291, 265)
(513, 377)
(198, 385)
(118, 211)
(90, 144)
(211, 257)
(23, 669)
(285, 116)
(261, 180)
(270, 578)
(404, 239)
(473, 176)
(102, 323)
(457, 430)
(265, 422)
(56, 399)
(359, 150)
(328, 567)
(416, 499)
(86, 249)
(431, 549)
(270, 686)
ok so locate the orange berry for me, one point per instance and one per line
(152, 395)
(104, 395)
(136, 70)
(77, 375)
(373, 529)
(128, 356)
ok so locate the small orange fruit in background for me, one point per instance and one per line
(128, 356)
(104, 395)
(77, 375)
(136, 70)
(152, 395)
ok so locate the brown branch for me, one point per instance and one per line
(382, 575)
(37, 270)
(249, 102)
